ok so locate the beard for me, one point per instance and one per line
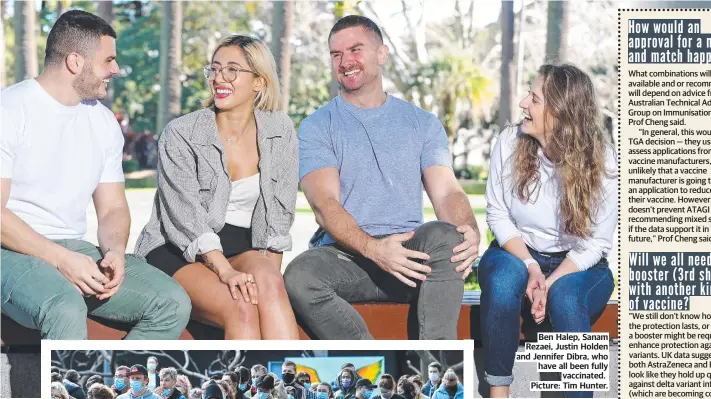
(89, 86)
(364, 80)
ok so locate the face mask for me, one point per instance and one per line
(346, 382)
(166, 392)
(291, 397)
(136, 386)
(434, 377)
(288, 378)
(367, 393)
(254, 382)
(120, 384)
(263, 395)
(386, 394)
(322, 395)
(151, 367)
(306, 385)
(452, 389)
(242, 387)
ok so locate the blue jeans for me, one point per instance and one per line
(574, 302)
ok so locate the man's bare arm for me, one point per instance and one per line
(451, 205)
(20, 237)
(322, 189)
(113, 216)
(450, 202)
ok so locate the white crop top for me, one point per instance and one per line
(243, 199)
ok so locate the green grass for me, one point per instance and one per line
(470, 187)
(473, 187)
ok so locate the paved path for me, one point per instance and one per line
(140, 202)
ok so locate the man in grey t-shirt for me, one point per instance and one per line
(364, 160)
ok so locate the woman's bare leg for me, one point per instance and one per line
(500, 391)
(213, 304)
(276, 318)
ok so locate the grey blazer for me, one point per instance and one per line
(194, 185)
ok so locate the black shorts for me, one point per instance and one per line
(169, 258)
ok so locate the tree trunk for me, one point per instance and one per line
(104, 9)
(519, 53)
(25, 43)
(281, 47)
(138, 6)
(507, 64)
(169, 105)
(557, 32)
(60, 8)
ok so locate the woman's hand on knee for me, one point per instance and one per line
(244, 281)
(536, 280)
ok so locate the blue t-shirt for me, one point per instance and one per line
(380, 154)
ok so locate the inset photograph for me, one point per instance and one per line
(258, 374)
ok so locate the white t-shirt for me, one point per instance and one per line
(56, 156)
(538, 222)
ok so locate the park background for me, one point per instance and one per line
(468, 61)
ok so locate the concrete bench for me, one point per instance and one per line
(399, 325)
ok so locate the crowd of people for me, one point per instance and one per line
(147, 382)
(139, 146)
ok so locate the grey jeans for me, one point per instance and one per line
(36, 295)
(322, 283)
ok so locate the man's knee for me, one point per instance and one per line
(299, 273)
(295, 275)
(64, 317)
(302, 279)
(172, 306)
(438, 234)
(439, 239)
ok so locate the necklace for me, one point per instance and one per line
(232, 140)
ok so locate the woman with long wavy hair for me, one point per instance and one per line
(552, 206)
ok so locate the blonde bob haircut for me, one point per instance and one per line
(261, 61)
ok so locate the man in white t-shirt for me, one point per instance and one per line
(60, 148)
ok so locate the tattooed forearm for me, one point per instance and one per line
(210, 265)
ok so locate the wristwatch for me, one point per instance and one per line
(528, 262)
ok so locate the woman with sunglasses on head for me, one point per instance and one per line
(227, 184)
(552, 206)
